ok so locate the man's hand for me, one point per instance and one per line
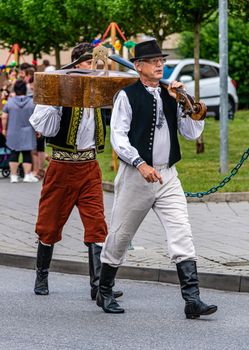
(175, 85)
(149, 173)
(4, 132)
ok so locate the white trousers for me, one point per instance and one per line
(133, 199)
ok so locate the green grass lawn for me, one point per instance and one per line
(199, 172)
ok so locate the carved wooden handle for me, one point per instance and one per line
(196, 110)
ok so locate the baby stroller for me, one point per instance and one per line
(4, 159)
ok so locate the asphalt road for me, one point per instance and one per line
(68, 320)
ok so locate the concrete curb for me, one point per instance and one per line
(222, 197)
(215, 197)
(222, 282)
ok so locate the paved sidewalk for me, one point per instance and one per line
(220, 230)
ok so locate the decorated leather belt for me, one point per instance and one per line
(79, 156)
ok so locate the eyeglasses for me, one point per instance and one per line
(154, 61)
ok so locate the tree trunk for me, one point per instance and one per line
(197, 57)
(160, 42)
(57, 58)
(200, 140)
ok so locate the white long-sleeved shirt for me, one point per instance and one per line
(120, 127)
(46, 120)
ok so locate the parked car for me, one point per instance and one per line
(183, 70)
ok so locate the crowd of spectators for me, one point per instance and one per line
(15, 129)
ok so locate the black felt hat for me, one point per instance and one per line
(147, 49)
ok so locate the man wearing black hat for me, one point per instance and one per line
(144, 126)
(73, 178)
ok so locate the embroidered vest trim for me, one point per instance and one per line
(76, 117)
(99, 131)
(65, 140)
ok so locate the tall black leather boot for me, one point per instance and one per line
(94, 252)
(194, 308)
(44, 256)
(105, 297)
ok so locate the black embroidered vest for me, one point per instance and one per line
(70, 120)
(142, 129)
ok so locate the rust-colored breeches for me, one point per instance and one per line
(67, 184)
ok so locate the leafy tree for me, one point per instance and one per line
(45, 25)
(143, 16)
(239, 9)
(15, 29)
(49, 21)
(86, 18)
(191, 15)
(36, 25)
(238, 49)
